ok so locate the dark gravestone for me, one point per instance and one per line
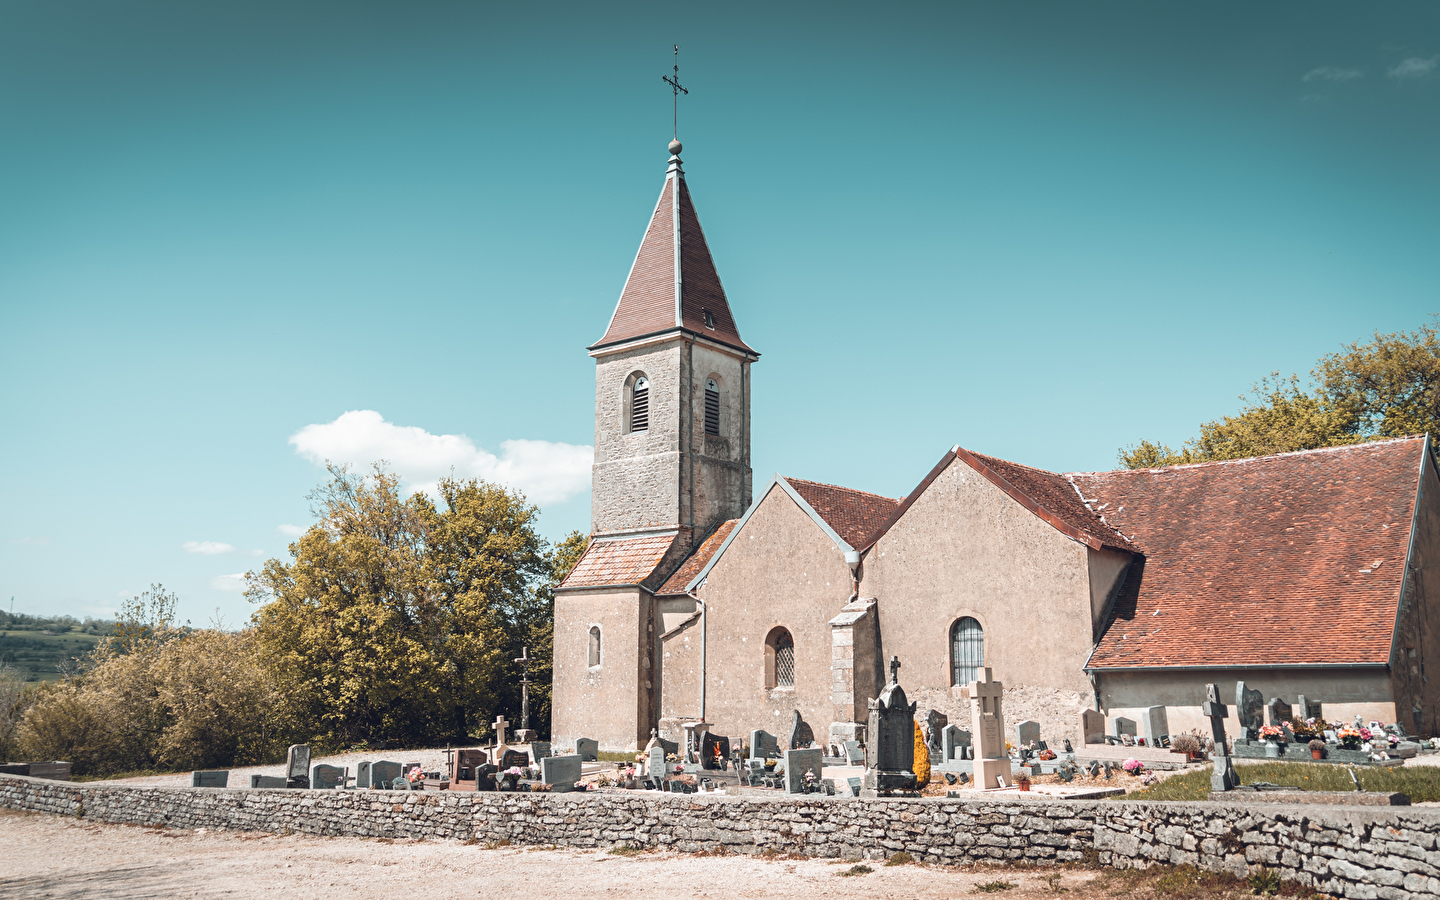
(801, 734)
(1249, 709)
(935, 723)
(513, 758)
(763, 745)
(953, 742)
(539, 750)
(797, 763)
(560, 772)
(210, 779)
(890, 754)
(467, 761)
(713, 750)
(297, 766)
(587, 749)
(362, 775)
(267, 781)
(854, 753)
(1279, 711)
(1027, 733)
(327, 778)
(485, 777)
(1308, 708)
(383, 774)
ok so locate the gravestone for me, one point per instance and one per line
(327, 778)
(297, 766)
(797, 763)
(1092, 727)
(763, 745)
(539, 750)
(954, 743)
(383, 774)
(890, 754)
(466, 762)
(210, 778)
(714, 749)
(935, 723)
(268, 782)
(512, 759)
(485, 777)
(587, 749)
(1155, 726)
(1124, 727)
(1279, 711)
(1250, 710)
(404, 784)
(1405, 750)
(1027, 732)
(1223, 778)
(801, 734)
(560, 772)
(1308, 708)
(655, 764)
(854, 753)
(988, 729)
(362, 775)
(1331, 737)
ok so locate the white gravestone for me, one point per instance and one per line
(988, 730)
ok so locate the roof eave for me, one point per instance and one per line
(1233, 666)
(603, 346)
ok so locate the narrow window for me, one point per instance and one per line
(709, 319)
(594, 646)
(712, 407)
(779, 660)
(967, 650)
(640, 405)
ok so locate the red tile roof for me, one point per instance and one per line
(647, 304)
(1051, 497)
(676, 583)
(1294, 559)
(619, 561)
(854, 515)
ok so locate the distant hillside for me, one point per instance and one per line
(36, 647)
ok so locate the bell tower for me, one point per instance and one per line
(672, 387)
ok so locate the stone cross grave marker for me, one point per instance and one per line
(587, 749)
(210, 779)
(992, 764)
(1092, 727)
(1224, 777)
(1155, 727)
(763, 745)
(327, 778)
(383, 774)
(954, 743)
(797, 762)
(560, 772)
(1027, 732)
(1279, 711)
(1249, 708)
(1308, 708)
(500, 726)
(269, 782)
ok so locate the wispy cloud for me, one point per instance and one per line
(290, 530)
(233, 583)
(1332, 73)
(1414, 67)
(207, 548)
(32, 541)
(547, 472)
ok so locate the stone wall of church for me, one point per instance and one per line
(721, 462)
(612, 702)
(1415, 657)
(965, 548)
(636, 476)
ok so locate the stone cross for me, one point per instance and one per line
(894, 670)
(500, 726)
(1224, 777)
(988, 730)
(524, 661)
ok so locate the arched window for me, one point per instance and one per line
(967, 650)
(712, 407)
(779, 659)
(640, 404)
(594, 646)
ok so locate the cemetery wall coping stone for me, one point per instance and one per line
(1345, 851)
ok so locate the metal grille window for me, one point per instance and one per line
(967, 650)
(640, 405)
(712, 407)
(783, 646)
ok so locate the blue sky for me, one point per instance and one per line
(1043, 231)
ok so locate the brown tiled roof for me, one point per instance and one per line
(675, 584)
(1051, 497)
(854, 515)
(619, 561)
(647, 304)
(1290, 559)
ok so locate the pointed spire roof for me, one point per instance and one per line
(673, 283)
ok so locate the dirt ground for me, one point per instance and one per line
(53, 857)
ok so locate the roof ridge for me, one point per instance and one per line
(1358, 445)
(840, 487)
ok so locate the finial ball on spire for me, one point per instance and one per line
(675, 148)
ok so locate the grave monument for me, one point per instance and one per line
(1249, 709)
(992, 764)
(1155, 727)
(1224, 777)
(297, 766)
(890, 755)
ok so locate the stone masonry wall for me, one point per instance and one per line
(1388, 853)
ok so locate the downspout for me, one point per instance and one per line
(704, 611)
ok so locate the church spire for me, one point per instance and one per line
(673, 285)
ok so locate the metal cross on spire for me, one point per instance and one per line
(676, 89)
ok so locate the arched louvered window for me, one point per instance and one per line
(779, 660)
(967, 650)
(640, 404)
(712, 407)
(594, 655)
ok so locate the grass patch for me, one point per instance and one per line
(1190, 883)
(900, 859)
(623, 850)
(861, 869)
(1420, 784)
(993, 887)
(619, 756)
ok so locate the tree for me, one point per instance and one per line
(1389, 387)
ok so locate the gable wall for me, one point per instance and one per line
(1415, 680)
(965, 548)
(610, 703)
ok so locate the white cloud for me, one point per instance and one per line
(547, 472)
(290, 530)
(1414, 67)
(207, 548)
(234, 582)
(1332, 73)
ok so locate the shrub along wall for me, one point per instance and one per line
(1350, 851)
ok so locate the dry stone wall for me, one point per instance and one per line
(1351, 852)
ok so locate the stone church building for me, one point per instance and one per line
(703, 596)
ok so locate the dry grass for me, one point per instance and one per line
(1420, 783)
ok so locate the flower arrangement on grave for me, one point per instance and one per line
(1350, 737)
(1272, 733)
(1366, 734)
(670, 757)
(1303, 729)
(1022, 780)
(1187, 744)
(1148, 778)
(1047, 754)
(1133, 766)
(414, 775)
(1392, 739)
(679, 769)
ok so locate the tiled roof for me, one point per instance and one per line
(854, 515)
(675, 584)
(618, 561)
(647, 303)
(1290, 559)
(1051, 497)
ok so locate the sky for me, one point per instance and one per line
(239, 240)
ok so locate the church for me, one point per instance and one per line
(706, 597)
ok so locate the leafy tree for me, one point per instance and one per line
(1389, 387)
